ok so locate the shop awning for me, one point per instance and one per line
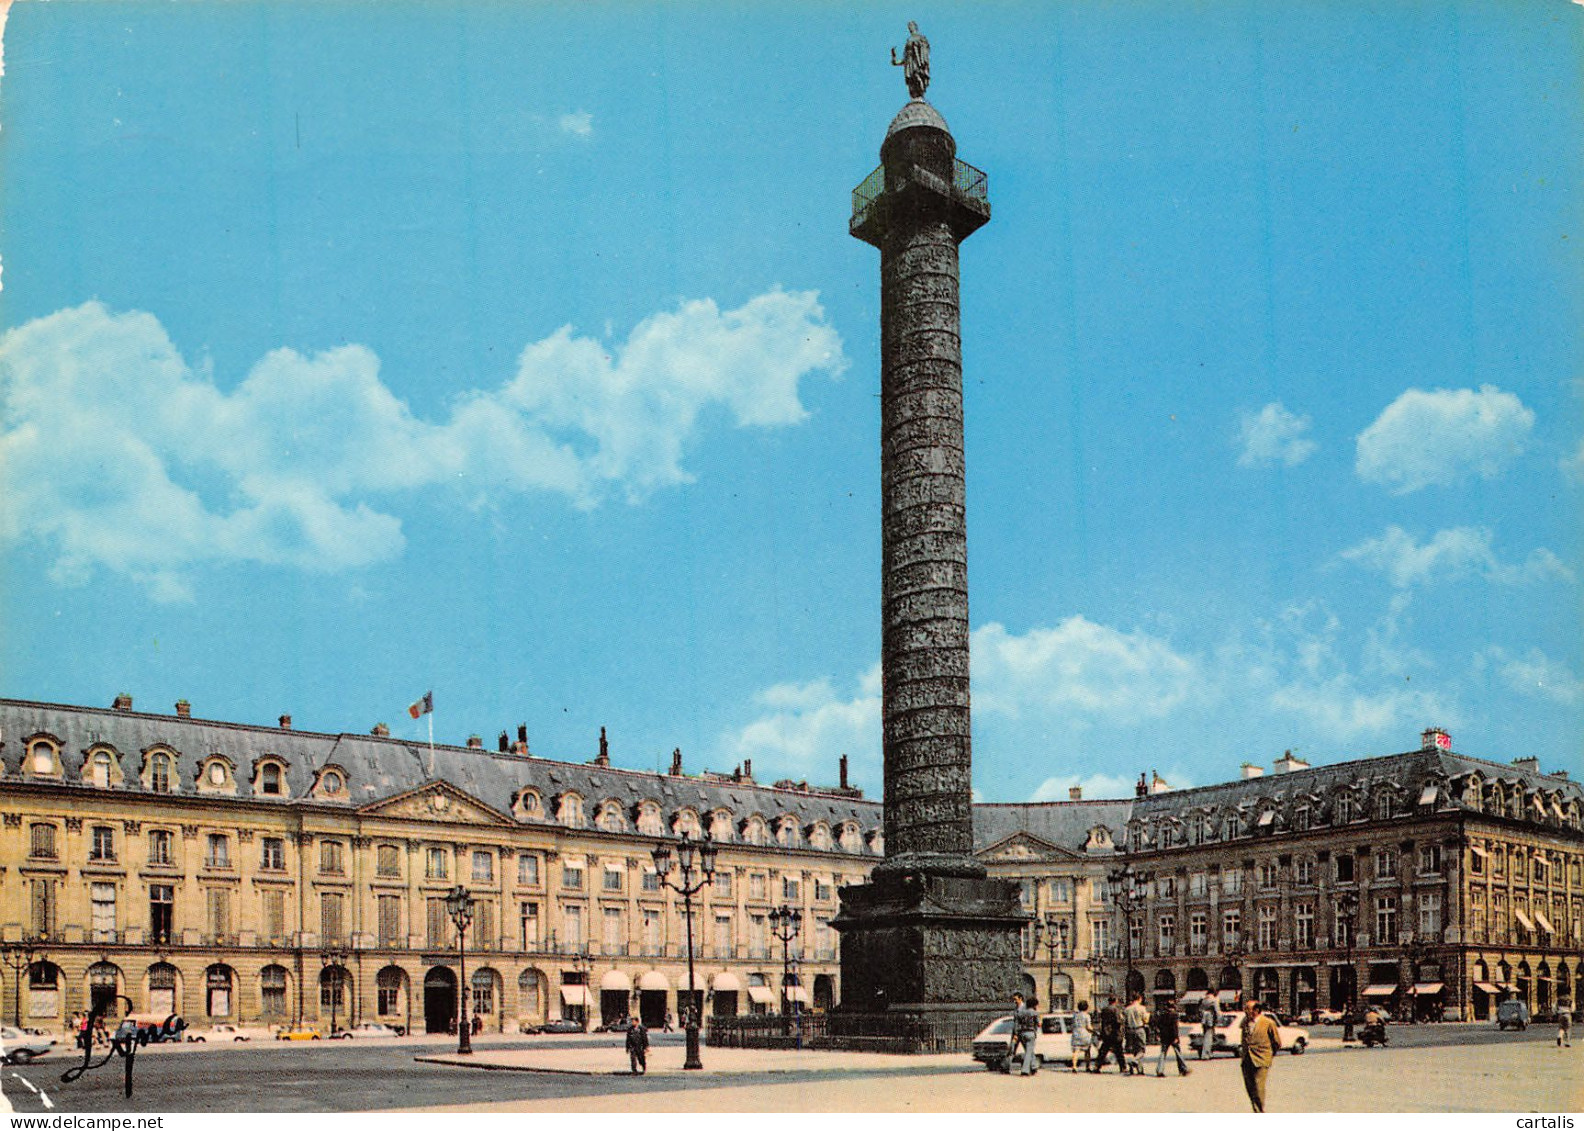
(1191, 997)
(1427, 989)
(1380, 990)
(1508, 987)
(798, 993)
(1545, 924)
(616, 980)
(577, 995)
(1486, 987)
(761, 995)
(653, 980)
(726, 983)
(1528, 924)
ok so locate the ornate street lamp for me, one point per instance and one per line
(785, 922)
(18, 957)
(332, 978)
(687, 888)
(1347, 912)
(1049, 932)
(460, 906)
(1127, 893)
(582, 964)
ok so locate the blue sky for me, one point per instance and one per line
(520, 352)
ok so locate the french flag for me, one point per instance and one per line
(423, 706)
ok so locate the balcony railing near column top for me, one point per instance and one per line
(968, 184)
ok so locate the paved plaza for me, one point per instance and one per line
(1428, 1069)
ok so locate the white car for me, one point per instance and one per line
(225, 1031)
(1053, 1043)
(1229, 1034)
(17, 1047)
(367, 1030)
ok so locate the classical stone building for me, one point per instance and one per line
(264, 874)
(1430, 882)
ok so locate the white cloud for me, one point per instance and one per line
(1441, 436)
(1273, 435)
(580, 123)
(1457, 552)
(1573, 465)
(1536, 675)
(120, 455)
(1078, 669)
(1094, 786)
(806, 727)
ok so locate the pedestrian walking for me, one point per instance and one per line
(638, 1047)
(1110, 1036)
(1564, 1028)
(1170, 1038)
(1025, 1031)
(1260, 1043)
(1136, 1020)
(1207, 1028)
(1082, 1035)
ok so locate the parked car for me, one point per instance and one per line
(19, 1047)
(1512, 1015)
(225, 1031)
(155, 1029)
(369, 1030)
(561, 1025)
(303, 1033)
(1229, 1035)
(1326, 1017)
(620, 1025)
(1052, 1043)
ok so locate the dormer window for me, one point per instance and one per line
(332, 783)
(42, 757)
(270, 779)
(99, 769)
(570, 810)
(160, 773)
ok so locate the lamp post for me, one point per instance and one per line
(1416, 950)
(1097, 971)
(687, 888)
(460, 906)
(1347, 913)
(1127, 894)
(18, 957)
(1049, 932)
(785, 922)
(582, 964)
(332, 964)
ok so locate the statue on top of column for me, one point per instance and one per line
(915, 61)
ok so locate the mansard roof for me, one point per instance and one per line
(1065, 824)
(381, 768)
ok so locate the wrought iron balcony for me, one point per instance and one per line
(969, 188)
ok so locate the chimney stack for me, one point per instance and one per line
(1142, 788)
(603, 757)
(285, 722)
(1434, 738)
(380, 731)
(522, 733)
(123, 702)
(1287, 763)
(505, 742)
(1075, 793)
(1250, 770)
(676, 762)
(475, 742)
(183, 709)
(748, 769)
(1530, 764)
(844, 772)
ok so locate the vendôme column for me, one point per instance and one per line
(930, 942)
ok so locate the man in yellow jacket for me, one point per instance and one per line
(1260, 1043)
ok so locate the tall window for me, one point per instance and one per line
(436, 922)
(756, 885)
(613, 878)
(723, 936)
(1231, 880)
(219, 905)
(1100, 932)
(332, 857)
(1429, 859)
(388, 991)
(390, 932)
(104, 912)
(42, 843)
(272, 991)
(332, 917)
(483, 866)
(1430, 916)
(387, 860)
(162, 911)
(1385, 863)
(571, 877)
(42, 892)
(273, 905)
(102, 846)
(270, 779)
(218, 851)
(159, 843)
(1347, 809)
(528, 920)
(572, 925)
(1303, 924)
(614, 937)
(44, 989)
(722, 887)
(1231, 927)
(1196, 883)
(1344, 930)
(1385, 920)
(651, 880)
(790, 887)
(1267, 928)
(1266, 873)
(652, 937)
(758, 937)
(1198, 932)
(272, 854)
(1166, 934)
(1304, 870)
(100, 770)
(483, 931)
(483, 993)
(435, 867)
(528, 869)
(160, 773)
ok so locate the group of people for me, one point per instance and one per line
(1122, 1033)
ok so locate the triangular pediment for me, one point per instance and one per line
(1025, 846)
(438, 801)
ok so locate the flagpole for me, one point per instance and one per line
(430, 713)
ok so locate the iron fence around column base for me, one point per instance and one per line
(848, 1032)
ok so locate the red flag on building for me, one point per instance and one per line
(423, 706)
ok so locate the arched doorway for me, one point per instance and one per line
(440, 1000)
(653, 1003)
(1197, 979)
(104, 988)
(219, 984)
(530, 997)
(44, 989)
(1304, 995)
(390, 995)
(272, 992)
(1027, 987)
(1525, 984)
(1482, 991)
(1135, 984)
(1344, 986)
(615, 997)
(725, 990)
(1229, 986)
(334, 983)
(1543, 988)
(486, 1000)
(1267, 987)
(162, 989)
(1061, 993)
(1165, 987)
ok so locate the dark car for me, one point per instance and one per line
(620, 1025)
(1512, 1015)
(561, 1025)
